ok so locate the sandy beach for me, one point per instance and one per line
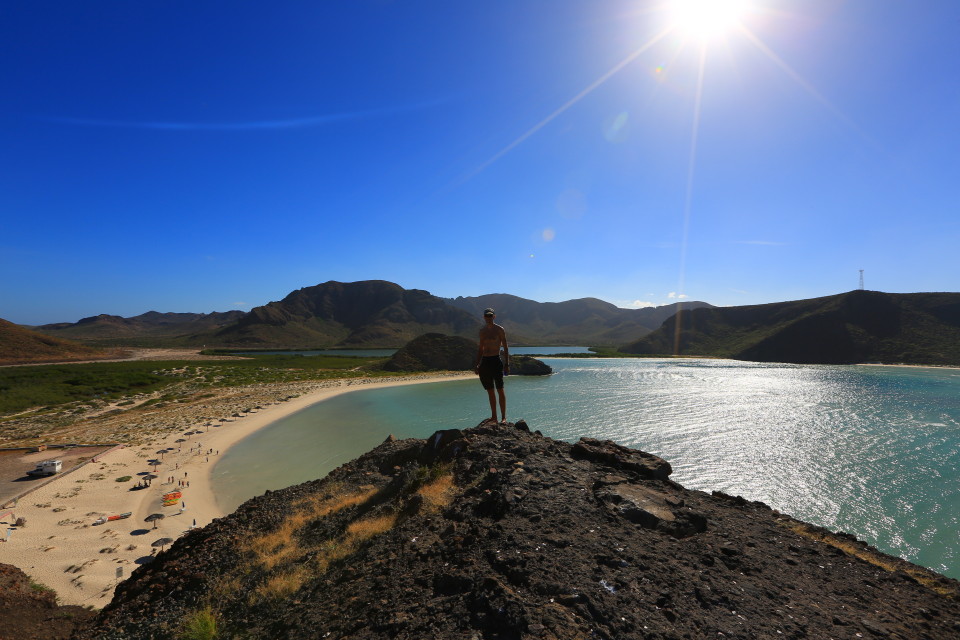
(63, 548)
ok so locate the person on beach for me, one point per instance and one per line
(490, 367)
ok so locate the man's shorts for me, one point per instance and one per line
(491, 372)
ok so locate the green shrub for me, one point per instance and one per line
(124, 479)
(200, 625)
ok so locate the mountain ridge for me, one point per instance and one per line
(847, 328)
(581, 320)
(371, 313)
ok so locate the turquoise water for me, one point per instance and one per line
(869, 450)
(385, 353)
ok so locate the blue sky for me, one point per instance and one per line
(208, 156)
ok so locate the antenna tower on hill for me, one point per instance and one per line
(861, 279)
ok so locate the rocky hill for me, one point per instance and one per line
(499, 533)
(359, 314)
(585, 321)
(19, 345)
(858, 326)
(434, 352)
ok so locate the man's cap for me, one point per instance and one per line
(489, 312)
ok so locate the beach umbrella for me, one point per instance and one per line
(149, 477)
(153, 517)
(162, 542)
(161, 452)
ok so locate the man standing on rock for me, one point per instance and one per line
(490, 367)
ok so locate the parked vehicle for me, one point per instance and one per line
(47, 468)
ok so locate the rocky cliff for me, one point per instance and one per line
(499, 533)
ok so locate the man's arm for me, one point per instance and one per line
(476, 367)
(506, 350)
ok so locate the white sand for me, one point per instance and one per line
(61, 547)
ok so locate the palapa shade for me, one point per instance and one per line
(153, 517)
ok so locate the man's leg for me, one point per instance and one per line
(503, 404)
(493, 403)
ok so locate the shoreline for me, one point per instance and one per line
(62, 549)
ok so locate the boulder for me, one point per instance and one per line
(529, 366)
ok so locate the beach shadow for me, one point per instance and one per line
(30, 478)
(139, 532)
(144, 560)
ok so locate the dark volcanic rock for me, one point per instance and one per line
(529, 366)
(434, 352)
(499, 533)
(29, 611)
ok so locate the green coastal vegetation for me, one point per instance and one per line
(49, 386)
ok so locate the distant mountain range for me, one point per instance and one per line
(147, 325)
(373, 313)
(19, 345)
(858, 326)
(574, 322)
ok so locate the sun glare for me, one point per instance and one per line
(706, 19)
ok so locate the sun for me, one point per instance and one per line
(706, 19)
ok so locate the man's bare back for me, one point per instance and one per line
(490, 366)
(492, 337)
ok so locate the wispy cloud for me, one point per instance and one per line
(632, 304)
(251, 125)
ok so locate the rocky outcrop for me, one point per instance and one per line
(529, 366)
(434, 352)
(499, 532)
(28, 610)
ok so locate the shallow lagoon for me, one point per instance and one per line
(868, 450)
